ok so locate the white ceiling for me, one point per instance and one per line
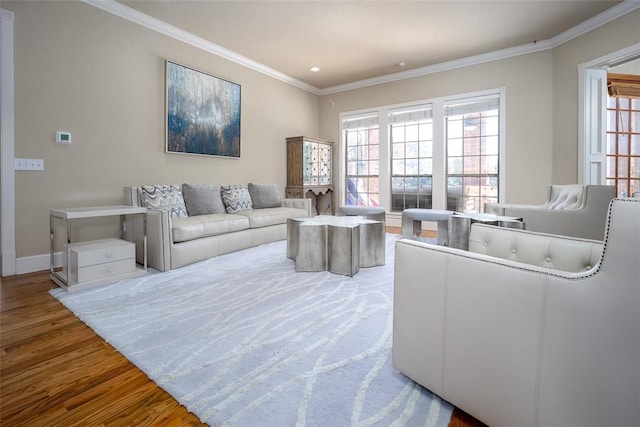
(355, 40)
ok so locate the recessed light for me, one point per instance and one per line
(401, 64)
(314, 69)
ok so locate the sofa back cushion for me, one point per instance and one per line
(565, 197)
(164, 197)
(236, 198)
(264, 195)
(544, 250)
(202, 199)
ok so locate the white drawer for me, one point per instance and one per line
(84, 254)
(102, 271)
(99, 259)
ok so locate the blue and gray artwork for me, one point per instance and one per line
(203, 113)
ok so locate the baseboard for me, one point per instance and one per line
(31, 264)
(8, 267)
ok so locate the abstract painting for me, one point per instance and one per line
(203, 113)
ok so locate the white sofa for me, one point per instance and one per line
(185, 229)
(517, 344)
(570, 210)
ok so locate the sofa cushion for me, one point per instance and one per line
(195, 227)
(236, 198)
(271, 216)
(264, 195)
(565, 197)
(164, 197)
(202, 199)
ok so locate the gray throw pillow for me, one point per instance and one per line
(236, 198)
(264, 195)
(202, 199)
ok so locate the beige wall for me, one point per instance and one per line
(632, 67)
(85, 71)
(528, 117)
(614, 36)
(541, 110)
(100, 77)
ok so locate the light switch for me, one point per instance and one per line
(29, 164)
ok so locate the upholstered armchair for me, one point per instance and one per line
(518, 344)
(570, 210)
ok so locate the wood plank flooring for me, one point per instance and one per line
(55, 371)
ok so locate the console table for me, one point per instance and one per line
(96, 262)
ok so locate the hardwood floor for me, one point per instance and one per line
(55, 371)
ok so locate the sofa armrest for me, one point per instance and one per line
(131, 196)
(158, 239)
(298, 204)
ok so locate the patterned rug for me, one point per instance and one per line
(244, 340)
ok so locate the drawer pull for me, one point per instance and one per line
(108, 255)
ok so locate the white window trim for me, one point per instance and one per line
(592, 136)
(7, 147)
(439, 149)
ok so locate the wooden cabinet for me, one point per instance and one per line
(310, 172)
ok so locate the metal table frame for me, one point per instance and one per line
(90, 212)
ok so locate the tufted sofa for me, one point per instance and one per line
(192, 222)
(526, 329)
(570, 210)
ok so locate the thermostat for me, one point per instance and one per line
(63, 137)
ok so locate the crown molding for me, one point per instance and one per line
(537, 46)
(119, 9)
(443, 66)
(162, 27)
(590, 24)
(6, 14)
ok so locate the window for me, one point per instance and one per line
(623, 144)
(473, 142)
(441, 153)
(361, 134)
(411, 134)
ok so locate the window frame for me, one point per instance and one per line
(474, 135)
(419, 116)
(439, 195)
(614, 177)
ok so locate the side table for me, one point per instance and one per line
(97, 262)
(460, 226)
(339, 244)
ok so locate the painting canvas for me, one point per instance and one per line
(203, 113)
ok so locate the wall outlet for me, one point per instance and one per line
(29, 164)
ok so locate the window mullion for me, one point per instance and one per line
(439, 156)
(385, 159)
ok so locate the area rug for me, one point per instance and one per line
(244, 340)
